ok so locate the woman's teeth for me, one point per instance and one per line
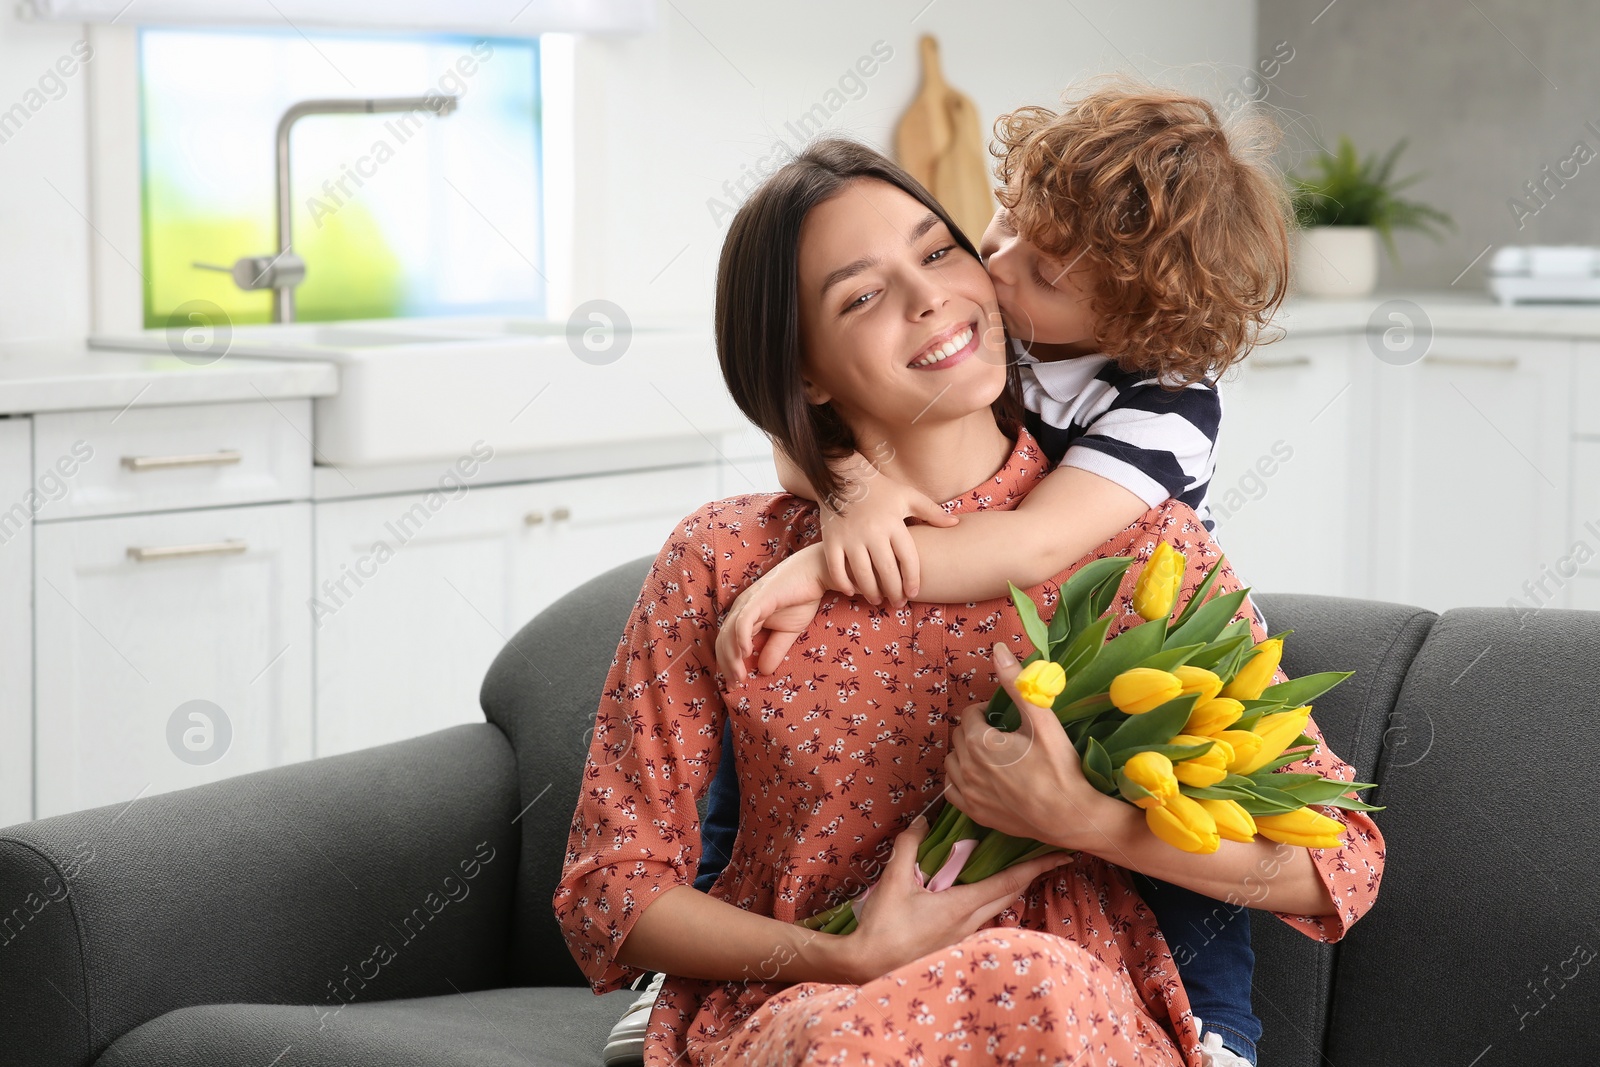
(949, 348)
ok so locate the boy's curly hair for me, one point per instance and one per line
(1185, 222)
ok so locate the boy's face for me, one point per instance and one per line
(1043, 300)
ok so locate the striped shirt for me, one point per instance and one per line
(1157, 443)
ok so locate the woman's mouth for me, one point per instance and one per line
(951, 351)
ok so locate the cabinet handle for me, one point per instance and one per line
(1508, 363)
(205, 548)
(198, 459)
(1281, 364)
(561, 514)
(533, 518)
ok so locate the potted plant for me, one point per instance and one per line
(1342, 209)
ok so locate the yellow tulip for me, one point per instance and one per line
(1213, 716)
(1144, 689)
(1208, 768)
(1041, 682)
(1257, 672)
(1233, 822)
(1182, 823)
(1277, 732)
(1153, 771)
(1156, 591)
(1198, 680)
(1245, 746)
(1303, 826)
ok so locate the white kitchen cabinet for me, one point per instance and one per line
(1472, 470)
(173, 649)
(16, 624)
(413, 602)
(1289, 494)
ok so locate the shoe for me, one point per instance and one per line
(625, 1046)
(1213, 1053)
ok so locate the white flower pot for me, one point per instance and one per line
(1336, 261)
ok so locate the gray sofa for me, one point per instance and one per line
(393, 906)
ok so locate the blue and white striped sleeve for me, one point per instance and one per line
(1154, 442)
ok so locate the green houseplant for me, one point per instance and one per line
(1345, 204)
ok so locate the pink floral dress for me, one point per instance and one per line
(836, 753)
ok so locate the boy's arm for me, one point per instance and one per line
(1070, 513)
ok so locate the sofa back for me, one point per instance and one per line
(1482, 948)
(1294, 975)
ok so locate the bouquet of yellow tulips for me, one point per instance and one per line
(1175, 716)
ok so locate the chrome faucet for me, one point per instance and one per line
(282, 272)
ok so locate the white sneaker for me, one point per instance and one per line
(625, 1047)
(1214, 1054)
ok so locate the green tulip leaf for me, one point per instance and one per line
(1155, 727)
(1199, 594)
(1097, 767)
(1131, 790)
(1168, 658)
(1352, 804)
(1028, 612)
(1116, 656)
(1212, 792)
(1298, 691)
(1175, 753)
(1225, 645)
(1207, 623)
(1083, 647)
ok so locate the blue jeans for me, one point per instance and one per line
(1210, 940)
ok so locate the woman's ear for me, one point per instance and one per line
(815, 394)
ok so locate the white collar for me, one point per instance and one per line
(1062, 379)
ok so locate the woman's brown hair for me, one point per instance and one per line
(1184, 222)
(758, 305)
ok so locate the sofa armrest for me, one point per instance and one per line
(377, 874)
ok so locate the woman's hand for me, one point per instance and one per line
(868, 549)
(902, 921)
(1027, 783)
(768, 616)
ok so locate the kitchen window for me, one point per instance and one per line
(410, 213)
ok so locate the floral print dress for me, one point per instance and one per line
(836, 754)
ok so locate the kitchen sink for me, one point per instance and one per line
(424, 389)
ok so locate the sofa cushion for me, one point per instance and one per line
(543, 691)
(1486, 931)
(491, 1028)
(1378, 641)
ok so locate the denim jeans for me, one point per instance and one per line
(1210, 940)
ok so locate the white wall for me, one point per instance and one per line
(662, 121)
(44, 237)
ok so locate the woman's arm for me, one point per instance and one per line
(686, 932)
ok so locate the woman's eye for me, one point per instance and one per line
(860, 300)
(939, 253)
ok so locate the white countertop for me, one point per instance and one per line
(40, 376)
(1448, 312)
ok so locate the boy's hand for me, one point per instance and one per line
(769, 615)
(868, 548)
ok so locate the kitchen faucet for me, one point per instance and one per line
(282, 272)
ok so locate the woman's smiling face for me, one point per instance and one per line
(898, 322)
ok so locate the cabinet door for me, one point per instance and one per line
(173, 649)
(1472, 471)
(16, 624)
(1289, 494)
(413, 602)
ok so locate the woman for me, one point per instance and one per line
(836, 277)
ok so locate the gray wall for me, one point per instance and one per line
(1489, 93)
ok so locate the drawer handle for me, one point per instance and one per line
(533, 518)
(205, 548)
(1281, 364)
(1508, 363)
(561, 514)
(198, 459)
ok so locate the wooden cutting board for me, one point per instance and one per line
(940, 141)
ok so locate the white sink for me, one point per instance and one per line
(426, 389)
